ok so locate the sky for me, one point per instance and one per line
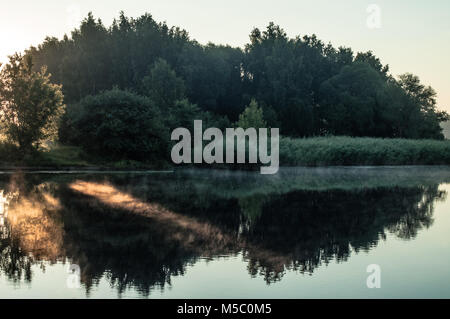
(410, 35)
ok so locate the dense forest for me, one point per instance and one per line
(125, 86)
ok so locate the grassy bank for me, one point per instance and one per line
(322, 151)
(65, 157)
(319, 151)
(57, 157)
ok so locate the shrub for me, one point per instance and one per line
(119, 125)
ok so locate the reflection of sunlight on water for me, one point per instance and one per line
(111, 196)
(446, 189)
(271, 247)
(29, 221)
(47, 223)
(3, 207)
(189, 232)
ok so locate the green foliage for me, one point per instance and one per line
(425, 99)
(57, 156)
(322, 151)
(63, 156)
(360, 102)
(303, 86)
(251, 117)
(213, 78)
(349, 101)
(30, 104)
(316, 89)
(120, 125)
(162, 85)
(373, 61)
(183, 114)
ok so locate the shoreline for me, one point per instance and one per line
(88, 169)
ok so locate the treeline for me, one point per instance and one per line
(304, 86)
(122, 89)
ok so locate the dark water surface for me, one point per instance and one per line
(303, 233)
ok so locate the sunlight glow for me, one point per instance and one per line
(212, 239)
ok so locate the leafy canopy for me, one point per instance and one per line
(30, 104)
(252, 117)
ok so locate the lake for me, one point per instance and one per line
(192, 233)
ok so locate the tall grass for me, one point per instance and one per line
(321, 151)
(317, 151)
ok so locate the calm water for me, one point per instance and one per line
(303, 233)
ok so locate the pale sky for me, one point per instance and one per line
(414, 35)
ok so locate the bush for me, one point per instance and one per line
(119, 125)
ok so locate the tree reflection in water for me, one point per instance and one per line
(139, 231)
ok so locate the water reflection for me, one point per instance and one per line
(139, 231)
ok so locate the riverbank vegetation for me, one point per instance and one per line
(340, 150)
(115, 93)
(316, 151)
